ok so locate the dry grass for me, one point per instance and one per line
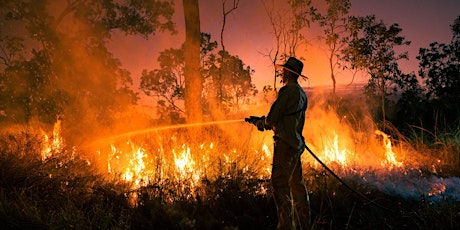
(65, 192)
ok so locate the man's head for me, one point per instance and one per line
(292, 69)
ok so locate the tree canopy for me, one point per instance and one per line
(55, 62)
(371, 47)
(227, 85)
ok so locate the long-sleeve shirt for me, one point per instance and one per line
(287, 115)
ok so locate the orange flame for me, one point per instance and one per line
(52, 144)
(135, 170)
(133, 164)
(266, 156)
(390, 156)
(186, 165)
(333, 153)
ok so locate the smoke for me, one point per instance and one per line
(71, 76)
(351, 134)
(345, 128)
(413, 185)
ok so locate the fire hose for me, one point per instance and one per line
(343, 182)
(258, 122)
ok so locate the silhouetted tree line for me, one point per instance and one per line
(440, 71)
(430, 102)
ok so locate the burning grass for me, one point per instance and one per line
(217, 176)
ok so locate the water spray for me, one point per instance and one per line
(168, 127)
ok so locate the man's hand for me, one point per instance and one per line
(252, 119)
(259, 122)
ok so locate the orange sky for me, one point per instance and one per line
(248, 35)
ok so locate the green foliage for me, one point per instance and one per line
(28, 86)
(371, 47)
(439, 67)
(334, 25)
(143, 17)
(227, 86)
(408, 105)
(433, 108)
(230, 81)
(55, 62)
(167, 84)
(440, 71)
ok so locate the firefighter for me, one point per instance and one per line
(286, 118)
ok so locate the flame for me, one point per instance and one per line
(135, 170)
(189, 163)
(390, 156)
(333, 153)
(266, 156)
(186, 166)
(131, 164)
(52, 144)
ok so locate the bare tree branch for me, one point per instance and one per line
(225, 13)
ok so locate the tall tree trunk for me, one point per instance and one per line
(193, 79)
(382, 92)
(334, 82)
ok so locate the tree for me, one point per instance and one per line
(232, 80)
(287, 25)
(440, 71)
(409, 108)
(193, 79)
(371, 47)
(227, 80)
(216, 93)
(57, 51)
(167, 83)
(226, 12)
(334, 29)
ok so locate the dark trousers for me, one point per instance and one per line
(289, 192)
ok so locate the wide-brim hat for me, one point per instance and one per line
(293, 65)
